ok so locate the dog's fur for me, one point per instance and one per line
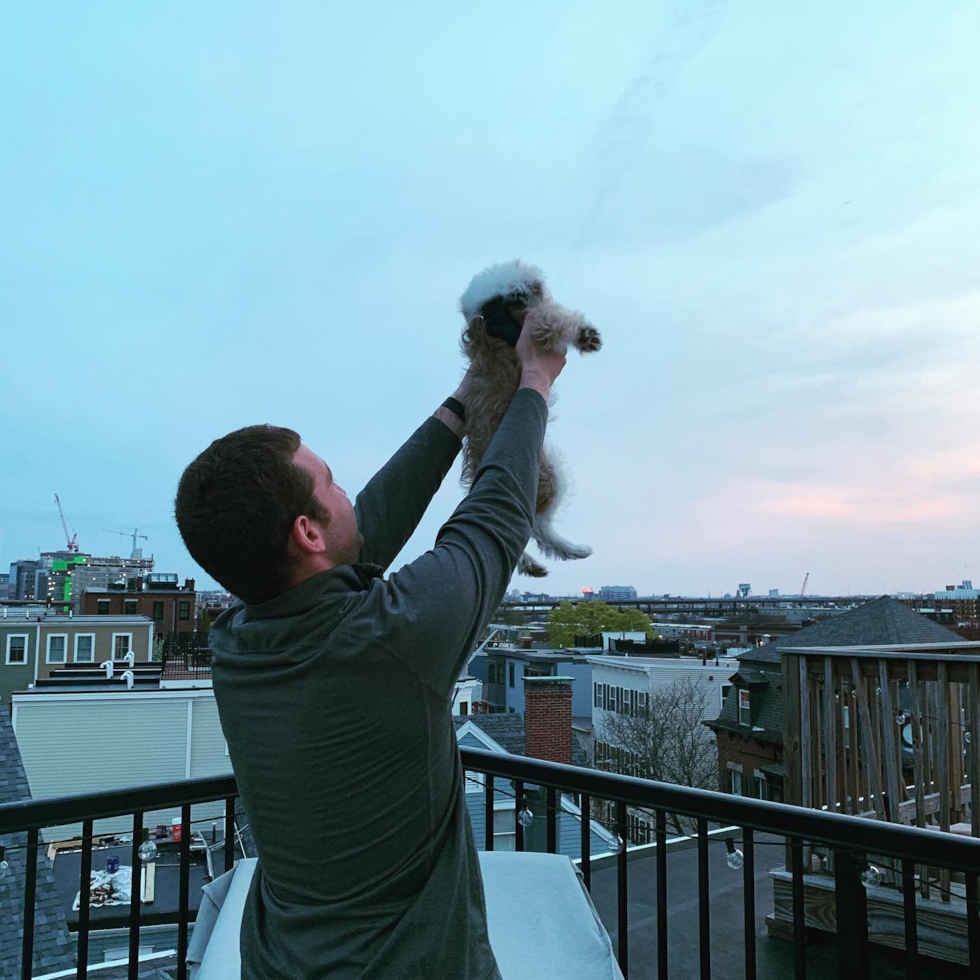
(497, 377)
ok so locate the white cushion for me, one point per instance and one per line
(540, 920)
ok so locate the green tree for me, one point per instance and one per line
(204, 623)
(510, 617)
(569, 620)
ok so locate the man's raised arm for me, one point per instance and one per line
(390, 507)
(438, 605)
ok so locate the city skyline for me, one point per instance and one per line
(221, 217)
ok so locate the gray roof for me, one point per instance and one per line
(52, 948)
(881, 621)
(507, 730)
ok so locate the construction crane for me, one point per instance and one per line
(134, 534)
(73, 539)
(803, 590)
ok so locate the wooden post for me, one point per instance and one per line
(806, 737)
(867, 740)
(942, 743)
(888, 728)
(973, 751)
(791, 728)
(830, 713)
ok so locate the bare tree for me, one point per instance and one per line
(666, 741)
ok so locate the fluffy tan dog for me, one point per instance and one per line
(488, 341)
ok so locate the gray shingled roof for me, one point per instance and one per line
(881, 621)
(52, 948)
(507, 730)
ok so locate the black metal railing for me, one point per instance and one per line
(849, 841)
(185, 656)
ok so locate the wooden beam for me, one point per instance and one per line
(791, 728)
(866, 741)
(830, 714)
(942, 742)
(973, 752)
(919, 772)
(888, 728)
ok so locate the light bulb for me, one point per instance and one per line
(900, 719)
(871, 877)
(967, 738)
(735, 859)
(4, 870)
(837, 696)
(525, 818)
(148, 851)
(615, 844)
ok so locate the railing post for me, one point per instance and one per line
(135, 897)
(84, 901)
(852, 917)
(30, 896)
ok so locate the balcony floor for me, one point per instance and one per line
(774, 956)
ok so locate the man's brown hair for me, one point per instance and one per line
(236, 504)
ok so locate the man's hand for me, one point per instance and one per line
(539, 367)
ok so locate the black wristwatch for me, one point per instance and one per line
(456, 407)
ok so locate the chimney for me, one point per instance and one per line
(139, 583)
(548, 718)
(188, 585)
(480, 708)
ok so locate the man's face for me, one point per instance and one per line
(343, 540)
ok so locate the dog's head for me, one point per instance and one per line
(491, 293)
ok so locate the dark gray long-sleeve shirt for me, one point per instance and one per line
(335, 700)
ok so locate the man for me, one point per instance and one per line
(335, 685)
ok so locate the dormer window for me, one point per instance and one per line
(744, 707)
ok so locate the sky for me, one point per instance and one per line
(218, 214)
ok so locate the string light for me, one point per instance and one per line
(615, 844)
(525, 818)
(148, 850)
(735, 858)
(4, 867)
(871, 877)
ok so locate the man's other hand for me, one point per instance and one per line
(539, 366)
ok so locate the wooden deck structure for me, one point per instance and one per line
(889, 733)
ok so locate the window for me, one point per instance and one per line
(619, 700)
(17, 648)
(129, 607)
(511, 678)
(735, 782)
(474, 782)
(464, 707)
(761, 789)
(56, 650)
(725, 688)
(122, 643)
(633, 697)
(744, 707)
(503, 830)
(103, 609)
(85, 648)
(597, 700)
(184, 610)
(158, 610)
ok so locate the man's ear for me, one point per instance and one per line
(306, 537)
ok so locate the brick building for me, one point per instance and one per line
(171, 607)
(955, 604)
(749, 730)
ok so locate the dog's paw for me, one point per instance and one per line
(588, 341)
(533, 569)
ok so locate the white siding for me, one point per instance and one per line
(208, 756)
(81, 744)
